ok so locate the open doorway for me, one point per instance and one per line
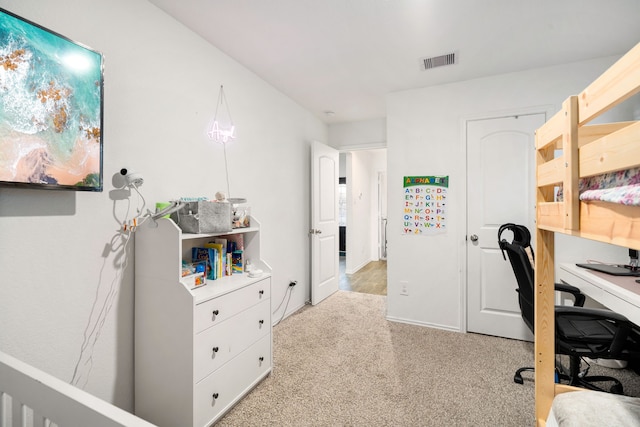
(362, 221)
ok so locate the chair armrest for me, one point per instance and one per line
(578, 296)
(594, 313)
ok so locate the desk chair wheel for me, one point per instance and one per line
(517, 378)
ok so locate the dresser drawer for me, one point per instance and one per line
(218, 392)
(222, 342)
(218, 309)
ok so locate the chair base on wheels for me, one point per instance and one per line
(576, 380)
(579, 378)
(517, 378)
(587, 382)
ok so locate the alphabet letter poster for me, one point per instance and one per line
(425, 204)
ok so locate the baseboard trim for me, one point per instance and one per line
(424, 324)
(274, 322)
(359, 267)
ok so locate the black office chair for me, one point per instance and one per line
(580, 332)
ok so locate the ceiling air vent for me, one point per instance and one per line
(437, 61)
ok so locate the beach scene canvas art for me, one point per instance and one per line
(50, 108)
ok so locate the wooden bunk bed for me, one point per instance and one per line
(587, 150)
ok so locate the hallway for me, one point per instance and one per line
(371, 279)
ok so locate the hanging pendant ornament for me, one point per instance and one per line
(222, 133)
(218, 132)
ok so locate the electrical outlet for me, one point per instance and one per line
(404, 288)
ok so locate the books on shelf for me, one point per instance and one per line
(218, 254)
(235, 247)
(223, 256)
(226, 266)
(210, 256)
(237, 261)
(235, 241)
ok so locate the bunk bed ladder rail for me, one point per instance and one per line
(560, 132)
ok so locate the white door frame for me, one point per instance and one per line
(548, 111)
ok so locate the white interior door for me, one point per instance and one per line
(500, 189)
(324, 235)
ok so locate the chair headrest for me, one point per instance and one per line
(521, 236)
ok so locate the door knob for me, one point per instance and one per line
(315, 231)
(473, 237)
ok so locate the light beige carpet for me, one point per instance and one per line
(341, 363)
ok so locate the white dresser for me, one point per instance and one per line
(197, 351)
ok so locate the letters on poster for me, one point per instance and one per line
(425, 204)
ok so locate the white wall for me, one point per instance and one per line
(425, 137)
(359, 135)
(59, 253)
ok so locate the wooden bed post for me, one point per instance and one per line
(544, 348)
(544, 298)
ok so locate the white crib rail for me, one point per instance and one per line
(32, 398)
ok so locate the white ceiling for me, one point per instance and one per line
(346, 55)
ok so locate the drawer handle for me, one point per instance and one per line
(216, 312)
(261, 292)
(215, 349)
(215, 395)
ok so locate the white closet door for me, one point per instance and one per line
(500, 189)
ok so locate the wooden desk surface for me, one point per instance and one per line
(618, 293)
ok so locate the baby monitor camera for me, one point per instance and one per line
(132, 178)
